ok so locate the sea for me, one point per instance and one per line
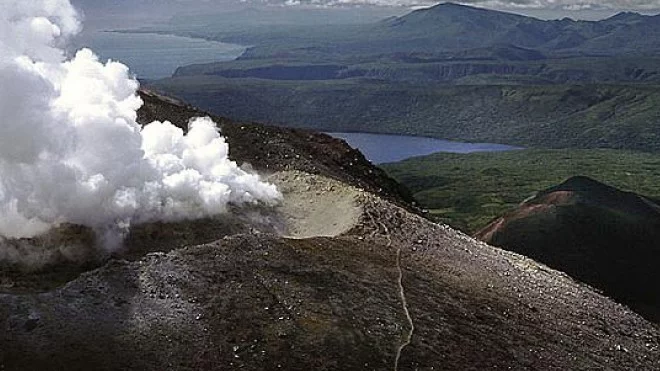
(152, 56)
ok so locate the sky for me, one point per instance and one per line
(577, 9)
(546, 9)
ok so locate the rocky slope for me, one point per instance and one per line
(270, 149)
(595, 233)
(342, 275)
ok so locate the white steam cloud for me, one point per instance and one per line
(71, 149)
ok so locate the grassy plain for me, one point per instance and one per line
(469, 190)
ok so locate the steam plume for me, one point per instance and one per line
(72, 151)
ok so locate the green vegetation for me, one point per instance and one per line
(550, 116)
(459, 71)
(469, 190)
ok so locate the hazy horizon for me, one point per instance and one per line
(105, 13)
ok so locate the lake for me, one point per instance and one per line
(154, 56)
(383, 148)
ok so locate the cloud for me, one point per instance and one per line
(565, 5)
(568, 5)
(71, 150)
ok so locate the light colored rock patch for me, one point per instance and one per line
(316, 206)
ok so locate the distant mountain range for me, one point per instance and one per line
(457, 27)
(450, 71)
(449, 28)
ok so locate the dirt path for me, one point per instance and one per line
(402, 291)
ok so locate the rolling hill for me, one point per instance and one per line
(602, 236)
(468, 191)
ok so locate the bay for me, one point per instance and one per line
(153, 56)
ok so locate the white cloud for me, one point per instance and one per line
(557, 5)
(72, 151)
(567, 5)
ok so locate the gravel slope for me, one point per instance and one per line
(258, 301)
(235, 293)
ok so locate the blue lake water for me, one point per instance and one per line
(383, 148)
(155, 56)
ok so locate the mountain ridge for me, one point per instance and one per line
(516, 29)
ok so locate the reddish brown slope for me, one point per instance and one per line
(596, 233)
